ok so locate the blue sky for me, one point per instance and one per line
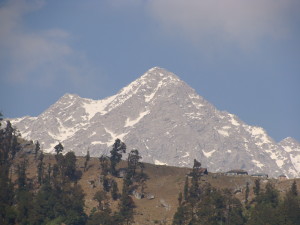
(242, 56)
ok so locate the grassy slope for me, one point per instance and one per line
(164, 182)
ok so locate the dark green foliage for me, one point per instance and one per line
(21, 172)
(70, 166)
(294, 189)
(180, 198)
(104, 164)
(114, 190)
(23, 195)
(289, 209)
(133, 161)
(181, 216)
(41, 169)
(36, 149)
(126, 209)
(186, 188)
(102, 200)
(9, 146)
(247, 191)
(58, 202)
(106, 184)
(58, 148)
(256, 188)
(116, 155)
(102, 218)
(87, 159)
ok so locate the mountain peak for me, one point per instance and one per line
(70, 96)
(160, 73)
(168, 122)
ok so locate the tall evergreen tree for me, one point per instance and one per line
(23, 193)
(186, 189)
(133, 161)
(37, 149)
(87, 159)
(256, 188)
(116, 155)
(59, 148)
(247, 191)
(9, 146)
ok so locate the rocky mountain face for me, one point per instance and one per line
(168, 122)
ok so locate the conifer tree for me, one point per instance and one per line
(23, 194)
(9, 146)
(247, 191)
(40, 168)
(116, 155)
(256, 188)
(133, 161)
(186, 189)
(294, 190)
(59, 148)
(36, 149)
(104, 165)
(114, 190)
(87, 159)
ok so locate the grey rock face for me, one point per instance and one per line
(168, 122)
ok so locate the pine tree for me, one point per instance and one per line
(116, 155)
(104, 165)
(114, 190)
(294, 190)
(36, 149)
(40, 168)
(9, 146)
(59, 148)
(247, 191)
(23, 194)
(133, 160)
(70, 166)
(256, 188)
(87, 159)
(186, 189)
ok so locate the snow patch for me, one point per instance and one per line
(194, 96)
(187, 154)
(279, 162)
(148, 98)
(223, 133)
(114, 136)
(157, 162)
(98, 143)
(94, 106)
(257, 163)
(287, 148)
(233, 120)
(194, 115)
(208, 154)
(130, 123)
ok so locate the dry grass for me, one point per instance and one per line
(164, 182)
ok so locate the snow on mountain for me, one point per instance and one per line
(168, 122)
(292, 147)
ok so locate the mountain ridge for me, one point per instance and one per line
(168, 122)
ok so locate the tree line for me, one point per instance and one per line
(54, 196)
(202, 204)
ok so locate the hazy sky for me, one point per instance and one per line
(243, 56)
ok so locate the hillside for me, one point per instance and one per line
(165, 183)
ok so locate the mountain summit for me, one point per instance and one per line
(168, 122)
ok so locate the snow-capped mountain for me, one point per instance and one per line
(168, 122)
